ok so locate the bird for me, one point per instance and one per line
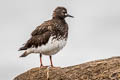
(49, 37)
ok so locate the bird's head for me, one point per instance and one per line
(61, 12)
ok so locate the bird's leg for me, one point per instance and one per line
(41, 60)
(51, 61)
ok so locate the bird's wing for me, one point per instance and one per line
(40, 36)
(38, 40)
(46, 26)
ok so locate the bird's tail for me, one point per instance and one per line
(22, 48)
(24, 54)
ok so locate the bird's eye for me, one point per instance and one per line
(64, 11)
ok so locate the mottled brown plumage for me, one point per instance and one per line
(56, 28)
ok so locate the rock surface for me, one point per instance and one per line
(106, 69)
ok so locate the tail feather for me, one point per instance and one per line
(24, 54)
(22, 48)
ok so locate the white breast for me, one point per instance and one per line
(52, 47)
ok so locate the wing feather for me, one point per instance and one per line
(38, 40)
(40, 36)
(46, 26)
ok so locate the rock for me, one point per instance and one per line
(106, 69)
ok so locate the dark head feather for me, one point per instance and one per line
(61, 12)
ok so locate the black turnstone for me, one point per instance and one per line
(50, 37)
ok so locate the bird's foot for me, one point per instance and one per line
(43, 66)
(51, 65)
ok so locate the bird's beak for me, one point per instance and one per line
(67, 15)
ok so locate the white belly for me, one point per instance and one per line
(51, 48)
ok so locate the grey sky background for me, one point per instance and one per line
(94, 33)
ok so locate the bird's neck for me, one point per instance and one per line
(59, 19)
